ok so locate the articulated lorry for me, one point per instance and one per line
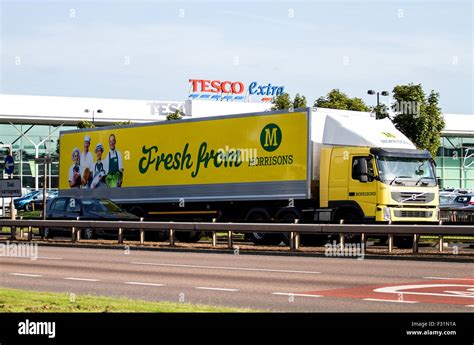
(314, 165)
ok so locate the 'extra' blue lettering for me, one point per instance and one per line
(252, 87)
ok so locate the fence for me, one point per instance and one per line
(295, 230)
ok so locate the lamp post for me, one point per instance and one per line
(383, 93)
(99, 111)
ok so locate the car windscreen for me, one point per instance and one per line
(100, 205)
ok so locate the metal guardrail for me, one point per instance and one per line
(295, 230)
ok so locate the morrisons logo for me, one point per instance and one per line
(389, 135)
(270, 137)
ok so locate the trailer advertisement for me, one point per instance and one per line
(243, 149)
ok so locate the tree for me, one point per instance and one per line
(283, 101)
(418, 117)
(177, 115)
(299, 101)
(85, 124)
(335, 99)
(121, 123)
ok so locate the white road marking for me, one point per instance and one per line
(82, 279)
(26, 275)
(225, 268)
(470, 305)
(444, 278)
(48, 258)
(146, 284)
(294, 294)
(215, 289)
(387, 300)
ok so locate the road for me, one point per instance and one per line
(263, 282)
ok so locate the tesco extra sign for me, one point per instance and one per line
(227, 87)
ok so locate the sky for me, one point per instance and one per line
(150, 49)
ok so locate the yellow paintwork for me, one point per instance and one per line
(288, 162)
(337, 185)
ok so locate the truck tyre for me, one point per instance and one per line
(403, 242)
(287, 215)
(260, 238)
(156, 236)
(188, 236)
(350, 216)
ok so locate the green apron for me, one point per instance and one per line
(114, 174)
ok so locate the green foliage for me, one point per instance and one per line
(122, 123)
(381, 111)
(283, 101)
(177, 115)
(299, 101)
(336, 99)
(418, 117)
(85, 124)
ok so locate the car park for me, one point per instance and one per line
(70, 208)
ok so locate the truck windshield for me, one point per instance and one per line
(403, 170)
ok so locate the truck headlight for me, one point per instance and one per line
(437, 215)
(386, 214)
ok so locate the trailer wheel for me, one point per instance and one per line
(156, 236)
(287, 215)
(188, 236)
(259, 238)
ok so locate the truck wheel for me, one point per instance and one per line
(156, 236)
(287, 215)
(403, 242)
(258, 215)
(188, 236)
(350, 216)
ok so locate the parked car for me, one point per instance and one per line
(38, 199)
(23, 203)
(64, 208)
(456, 201)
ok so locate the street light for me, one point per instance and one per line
(99, 111)
(373, 92)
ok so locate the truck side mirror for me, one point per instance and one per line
(362, 170)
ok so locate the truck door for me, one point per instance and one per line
(362, 186)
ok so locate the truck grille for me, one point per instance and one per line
(413, 214)
(413, 197)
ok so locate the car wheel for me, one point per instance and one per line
(47, 233)
(88, 234)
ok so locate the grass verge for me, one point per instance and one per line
(12, 300)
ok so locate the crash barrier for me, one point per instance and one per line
(293, 230)
(457, 216)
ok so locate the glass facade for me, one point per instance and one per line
(44, 139)
(455, 162)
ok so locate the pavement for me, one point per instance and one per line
(259, 282)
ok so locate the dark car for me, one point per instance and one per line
(64, 208)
